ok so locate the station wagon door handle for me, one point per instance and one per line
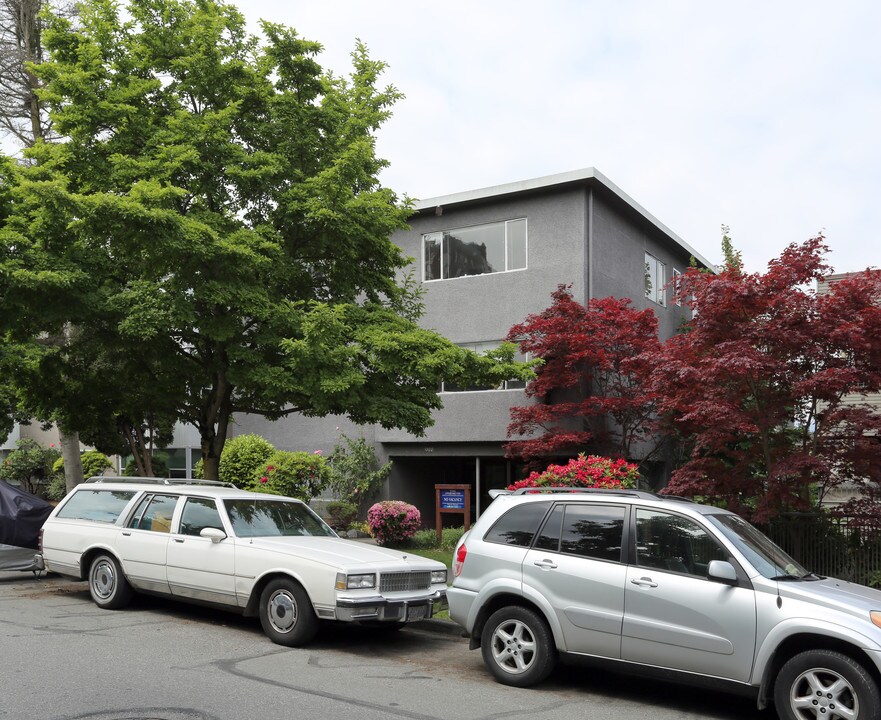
(127, 534)
(644, 582)
(180, 540)
(545, 564)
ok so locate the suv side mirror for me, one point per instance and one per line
(215, 534)
(723, 571)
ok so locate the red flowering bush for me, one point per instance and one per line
(392, 521)
(589, 471)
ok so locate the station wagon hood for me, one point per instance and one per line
(341, 553)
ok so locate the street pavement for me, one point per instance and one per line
(63, 658)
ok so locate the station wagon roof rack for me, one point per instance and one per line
(157, 481)
(644, 495)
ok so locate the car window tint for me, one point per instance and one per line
(154, 513)
(593, 531)
(549, 536)
(198, 514)
(672, 542)
(268, 518)
(519, 525)
(97, 505)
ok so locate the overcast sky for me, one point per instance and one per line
(764, 116)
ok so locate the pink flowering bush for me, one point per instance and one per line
(392, 521)
(589, 471)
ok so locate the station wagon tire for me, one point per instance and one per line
(286, 613)
(517, 646)
(107, 583)
(825, 684)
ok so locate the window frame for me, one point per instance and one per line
(505, 243)
(659, 293)
(486, 346)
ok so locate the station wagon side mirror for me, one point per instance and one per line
(215, 534)
(723, 571)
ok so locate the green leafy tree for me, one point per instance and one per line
(356, 475)
(29, 465)
(213, 223)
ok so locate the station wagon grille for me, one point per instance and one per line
(404, 581)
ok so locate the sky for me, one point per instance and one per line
(762, 116)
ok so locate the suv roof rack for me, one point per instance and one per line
(643, 494)
(157, 481)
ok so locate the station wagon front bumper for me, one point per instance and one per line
(381, 609)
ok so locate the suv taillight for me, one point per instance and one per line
(40, 541)
(459, 560)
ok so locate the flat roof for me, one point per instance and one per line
(585, 175)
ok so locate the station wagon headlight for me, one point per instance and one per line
(438, 576)
(355, 582)
(875, 616)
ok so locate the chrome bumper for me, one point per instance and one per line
(380, 609)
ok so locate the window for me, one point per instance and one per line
(274, 518)
(154, 513)
(671, 542)
(475, 250)
(97, 505)
(592, 531)
(518, 525)
(480, 348)
(198, 514)
(677, 276)
(655, 272)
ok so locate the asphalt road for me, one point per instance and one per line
(63, 658)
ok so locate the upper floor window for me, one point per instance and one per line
(480, 348)
(655, 272)
(475, 250)
(677, 284)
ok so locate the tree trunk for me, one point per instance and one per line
(70, 452)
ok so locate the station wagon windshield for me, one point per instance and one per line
(761, 552)
(273, 518)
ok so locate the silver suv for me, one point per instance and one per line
(657, 583)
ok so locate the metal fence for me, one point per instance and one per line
(836, 546)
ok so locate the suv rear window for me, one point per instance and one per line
(519, 525)
(96, 505)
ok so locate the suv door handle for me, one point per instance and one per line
(644, 582)
(545, 564)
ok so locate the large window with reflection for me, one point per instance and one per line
(475, 250)
(481, 348)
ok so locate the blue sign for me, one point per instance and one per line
(452, 500)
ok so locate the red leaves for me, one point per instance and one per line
(594, 359)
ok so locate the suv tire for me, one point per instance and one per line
(825, 681)
(107, 583)
(517, 646)
(286, 613)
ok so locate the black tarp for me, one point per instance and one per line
(21, 516)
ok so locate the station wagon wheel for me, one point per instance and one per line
(107, 584)
(286, 613)
(517, 646)
(825, 684)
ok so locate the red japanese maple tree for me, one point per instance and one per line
(766, 387)
(590, 390)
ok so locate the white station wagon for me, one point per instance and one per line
(258, 554)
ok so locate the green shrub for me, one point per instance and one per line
(356, 474)
(341, 514)
(295, 474)
(427, 539)
(57, 487)
(244, 459)
(29, 465)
